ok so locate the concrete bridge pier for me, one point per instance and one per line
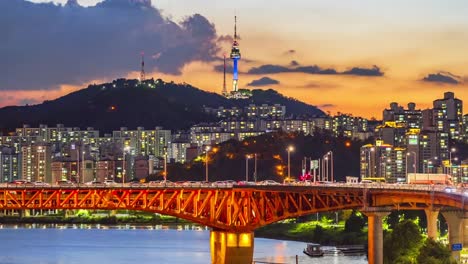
(455, 221)
(375, 234)
(431, 215)
(231, 248)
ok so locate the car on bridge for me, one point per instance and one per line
(450, 189)
(65, 183)
(41, 184)
(192, 184)
(269, 182)
(110, 183)
(21, 182)
(243, 183)
(96, 184)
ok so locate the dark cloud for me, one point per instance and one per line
(290, 52)
(326, 105)
(227, 38)
(374, 71)
(442, 77)
(271, 69)
(268, 69)
(47, 45)
(294, 63)
(220, 67)
(314, 70)
(264, 81)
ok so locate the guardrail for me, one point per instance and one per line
(380, 186)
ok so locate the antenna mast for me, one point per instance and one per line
(224, 77)
(142, 73)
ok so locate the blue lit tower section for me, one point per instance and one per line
(235, 56)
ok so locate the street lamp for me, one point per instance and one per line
(82, 166)
(325, 168)
(414, 162)
(429, 166)
(369, 161)
(247, 157)
(165, 164)
(289, 149)
(332, 174)
(450, 159)
(207, 148)
(124, 170)
(325, 161)
(255, 167)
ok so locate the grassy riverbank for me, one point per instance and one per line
(313, 231)
(96, 217)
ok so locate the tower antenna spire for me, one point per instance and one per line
(235, 27)
(142, 72)
(224, 77)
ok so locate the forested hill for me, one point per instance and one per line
(129, 103)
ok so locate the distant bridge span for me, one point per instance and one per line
(232, 209)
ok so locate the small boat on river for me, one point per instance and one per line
(313, 250)
(317, 250)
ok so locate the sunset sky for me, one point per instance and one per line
(376, 52)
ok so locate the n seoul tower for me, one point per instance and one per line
(235, 56)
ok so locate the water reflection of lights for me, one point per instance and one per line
(106, 227)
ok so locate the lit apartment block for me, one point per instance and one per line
(36, 162)
(383, 161)
(10, 164)
(410, 118)
(393, 133)
(143, 142)
(448, 114)
(177, 151)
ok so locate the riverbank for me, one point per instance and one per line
(312, 232)
(83, 217)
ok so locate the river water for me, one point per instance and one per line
(96, 244)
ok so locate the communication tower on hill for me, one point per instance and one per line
(142, 72)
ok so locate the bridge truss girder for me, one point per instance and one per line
(230, 209)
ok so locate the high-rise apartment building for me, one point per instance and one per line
(410, 118)
(448, 114)
(36, 162)
(10, 164)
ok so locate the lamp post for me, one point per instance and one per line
(450, 160)
(207, 148)
(325, 163)
(75, 147)
(247, 157)
(124, 170)
(326, 166)
(289, 149)
(165, 164)
(414, 162)
(255, 167)
(82, 166)
(370, 163)
(332, 173)
(429, 166)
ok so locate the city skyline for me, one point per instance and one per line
(366, 57)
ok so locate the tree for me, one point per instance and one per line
(403, 243)
(354, 223)
(433, 252)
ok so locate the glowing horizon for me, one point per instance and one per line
(418, 47)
